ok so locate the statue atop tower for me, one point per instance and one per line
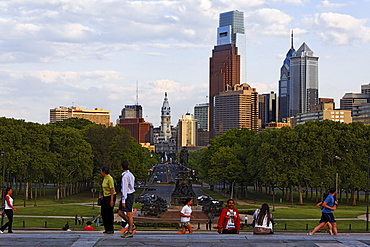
(166, 119)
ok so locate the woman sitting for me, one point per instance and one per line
(263, 220)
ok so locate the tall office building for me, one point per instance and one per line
(285, 84)
(131, 119)
(98, 115)
(228, 62)
(304, 80)
(132, 111)
(187, 131)
(350, 100)
(236, 108)
(268, 108)
(365, 88)
(201, 112)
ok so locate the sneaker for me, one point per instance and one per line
(309, 234)
(127, 235)
(1, 232)
(10, 232)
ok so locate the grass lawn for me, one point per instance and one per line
(285, 211)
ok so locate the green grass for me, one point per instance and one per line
(47, 206)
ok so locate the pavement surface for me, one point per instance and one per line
(170, 238)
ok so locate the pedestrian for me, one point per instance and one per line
(263, 220)
(125, 225)
(76, 217)
(8, 210)
(108, 199)
(186, 216)
(229, 221)
(66, 227)
(327, 216)
(88, 226)
(125, 209)
(97, 221)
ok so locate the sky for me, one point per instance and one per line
(111, 53)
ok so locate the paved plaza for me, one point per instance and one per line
(170, 238)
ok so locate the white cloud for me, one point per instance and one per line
(267, 22)
(339, 29)
(325, 5)
(296, 2)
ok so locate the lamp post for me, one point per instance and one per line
(93, 192)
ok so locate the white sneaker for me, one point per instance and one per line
(1, 231)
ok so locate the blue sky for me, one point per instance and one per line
(92, 53)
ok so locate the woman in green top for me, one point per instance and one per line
(109, 197)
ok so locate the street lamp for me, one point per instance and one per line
(93, 192)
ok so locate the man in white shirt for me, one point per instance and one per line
(125, 208)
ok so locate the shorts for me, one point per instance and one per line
(327, 217)
(129, 203)
(184, 224)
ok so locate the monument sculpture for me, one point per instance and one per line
(183, 189)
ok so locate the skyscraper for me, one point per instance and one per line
(201, 112)
(132, 111)
(227, 64)
(304, 80)
(187, 131)
(268, 108)
(285, 84)
(236, 108)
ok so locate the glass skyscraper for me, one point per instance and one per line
(227, 64)
(285, 85)
(304, 80)
(231, 31)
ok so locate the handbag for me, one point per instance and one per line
(261, 230)
(100, 201)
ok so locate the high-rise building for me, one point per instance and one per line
(201, 112)
(350, 100)
(140, 130)
(132, 111)
(365, 88)
(98, 115)
(236, 108)
(187, 131)
(131, 119)
(285, 84)
(268, 108)
(304, 80)
(227, 64)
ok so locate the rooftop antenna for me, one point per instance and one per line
(137, 93)
(292, 39)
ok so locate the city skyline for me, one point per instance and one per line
(73, 53)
